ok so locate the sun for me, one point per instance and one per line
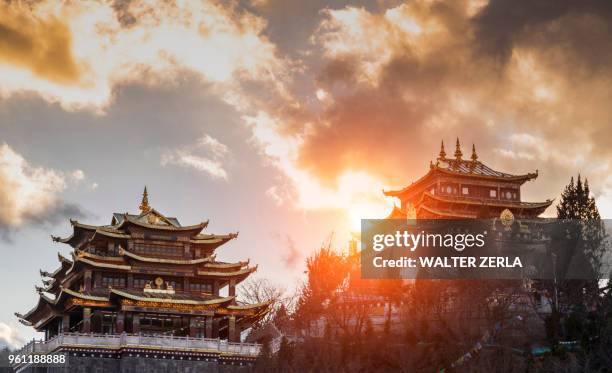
(367, 210)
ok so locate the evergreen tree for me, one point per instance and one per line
(581, 241)
(565, 208)
(577, 203)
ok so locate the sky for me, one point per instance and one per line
(281, 119)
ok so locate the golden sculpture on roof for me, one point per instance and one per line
(144, 205)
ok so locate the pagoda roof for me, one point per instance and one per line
(447, 214)
(111, 232)
(63, 295)
(226, 265)
(178, 298)
(77, 234)
(240, 274)
(233, 273)
(87, 259)
(476, 168)
(118, 218)
(105, 296)
(248, 306)
(210, 238)
(148, 259)
(149, 220)
(488, 202)
(210, 267)
(65, 264)
(463, 168)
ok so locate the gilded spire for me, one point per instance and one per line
(442, 152)
(144, 205)
(474, 155)
(458, 153)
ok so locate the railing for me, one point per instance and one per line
(170, 343)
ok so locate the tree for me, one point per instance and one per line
(327, 274)
(577, 203)
(262, 291)
(580, 241)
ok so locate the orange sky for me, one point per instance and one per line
(286, 119)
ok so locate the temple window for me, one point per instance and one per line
(508, 195)
(114, 281)
(201, 286)
(157, 250)
(493, 193)
(465, 190)
(449, 190)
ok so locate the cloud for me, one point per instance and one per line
(77, 175)
(523, 81)
(30, 194)
(40, 45)
(10, 337)
(206, 155)
(365, 103)
(77, 53)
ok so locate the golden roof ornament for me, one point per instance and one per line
(144, 205)
(442, 152)
(474, 155)
(458, 153)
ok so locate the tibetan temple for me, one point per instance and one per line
(144, 275)
(457, 188)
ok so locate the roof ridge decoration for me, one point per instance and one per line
(146, 224)
(458, 153)
(63, 259)
(44, 273)
(144, 204)
(442, 154)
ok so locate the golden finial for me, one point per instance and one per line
(474, 155)
(442, 152)
(458, 153)
(144, 205)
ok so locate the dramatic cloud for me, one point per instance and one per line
(362, 100)
(9, 337)
(42, 46)
(206, 155)
(75, 53)
(30, 194)
(523, 81)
